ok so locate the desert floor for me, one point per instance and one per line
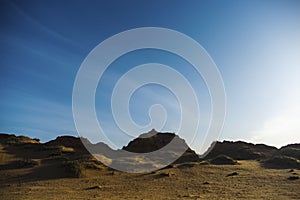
(184, 181)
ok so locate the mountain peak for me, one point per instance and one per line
(151, 133)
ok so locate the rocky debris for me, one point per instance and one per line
(186, 165)
(292, 178)
(165, 174)
(94, 187)
(232, 174)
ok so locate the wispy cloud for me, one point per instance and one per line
(282, 129)
(35, 116)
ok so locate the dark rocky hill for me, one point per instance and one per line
(17, 140)
(154, 140)
(69, 141)
(241, 150)
(72, 148)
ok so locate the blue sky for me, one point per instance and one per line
(255, 44)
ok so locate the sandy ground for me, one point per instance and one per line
(185, 181)
(194, 180)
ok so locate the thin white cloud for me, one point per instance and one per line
(280, 130)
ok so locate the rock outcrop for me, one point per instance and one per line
(153, 141)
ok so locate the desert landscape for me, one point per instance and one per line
(116, 99)
(63, 169)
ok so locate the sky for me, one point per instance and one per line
(255, 45)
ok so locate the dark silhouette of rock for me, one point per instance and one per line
(72, 148)
(281, 162)
(69, 141)
(153, 140)
(291, 150)
(12, 139)
(296, 146)
(240, 150)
